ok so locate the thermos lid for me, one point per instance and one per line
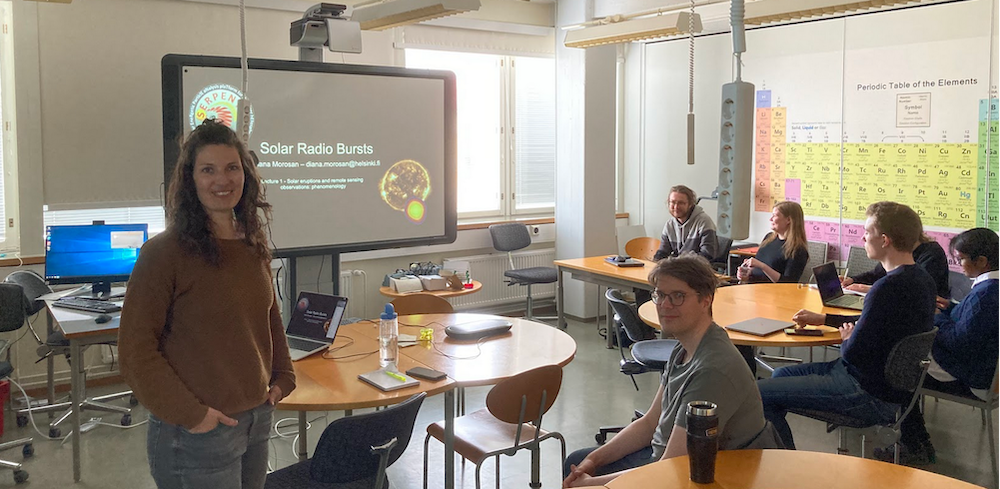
(702, 408)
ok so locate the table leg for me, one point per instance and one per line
(561, 318)
(449, 439)
(76, 366)
(609, 319)
(303, 450)
(49, 370)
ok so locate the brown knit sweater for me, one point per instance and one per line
(195, 336)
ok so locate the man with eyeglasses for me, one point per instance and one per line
(704, 367)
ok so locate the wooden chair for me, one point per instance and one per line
(643, 248)
(421, 304)
(511, 421)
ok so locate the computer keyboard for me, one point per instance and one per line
(89, 305)
(304, 345)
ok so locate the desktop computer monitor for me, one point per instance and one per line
(99, 254)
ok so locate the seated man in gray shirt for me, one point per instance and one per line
(704, 367)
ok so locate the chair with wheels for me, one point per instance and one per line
(421, 304)
(643, 247)
(511, 421)
(985, 406)
(354, 451)
(720, 262)
(33, 287)
(649, 354)
(13, 315)
(514, 236)
(858, 261)
(904, 370)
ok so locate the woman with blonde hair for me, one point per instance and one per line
(783, 253)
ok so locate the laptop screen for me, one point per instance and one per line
(827, 281)
(316, 316)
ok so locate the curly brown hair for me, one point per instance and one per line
(187, 217)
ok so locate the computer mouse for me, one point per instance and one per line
(103, 318)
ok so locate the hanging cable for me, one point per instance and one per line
(243, 111)
(690, 117)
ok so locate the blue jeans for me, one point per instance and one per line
(822, 387)
(224, 458)
(630, 461)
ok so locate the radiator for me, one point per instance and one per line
(357, 301)
(489, 269)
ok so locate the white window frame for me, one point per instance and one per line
(11, 221)
(508, 150)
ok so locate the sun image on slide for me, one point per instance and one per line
(405, 187)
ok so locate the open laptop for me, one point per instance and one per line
(830, 290)
(314, 323)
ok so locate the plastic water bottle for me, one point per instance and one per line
(388, 339)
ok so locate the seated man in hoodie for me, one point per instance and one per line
(688, 229)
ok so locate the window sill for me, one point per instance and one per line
(468, 224)
(17, 262)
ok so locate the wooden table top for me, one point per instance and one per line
(529, 344)
(773, 301)
(333, 385)
(476, 285)
(752, 251)
(597, 265)
(773, 469)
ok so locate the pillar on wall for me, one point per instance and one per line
(585, 154)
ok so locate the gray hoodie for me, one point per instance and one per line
(697, 235)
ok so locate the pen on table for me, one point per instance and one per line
(395, 376)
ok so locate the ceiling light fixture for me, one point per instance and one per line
(768, 11)
(639, 29)
(395, 13)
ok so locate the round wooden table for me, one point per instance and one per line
(773, 301)
(773, 469)
(446, 293)
(332, 384)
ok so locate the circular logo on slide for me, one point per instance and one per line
(219, 102)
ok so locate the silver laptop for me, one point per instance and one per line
(760, 326)
(314, 323)
(830, 290)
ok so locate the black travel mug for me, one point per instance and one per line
(702, 440)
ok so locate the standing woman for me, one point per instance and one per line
(201, 338)
(783, 254)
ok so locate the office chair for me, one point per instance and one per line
(642, 247)
(513, 236)
(858, 261)
(904, 371)
(421, 304)
(985, 407)
(648, 353)
(13, 315)
(354, 451)
(817, 256)
(511, 421)
(721, 260)
(33, 287)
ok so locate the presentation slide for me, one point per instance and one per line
(351, 159)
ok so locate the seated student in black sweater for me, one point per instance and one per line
(783, 254)
(899, 305)
(928, 254)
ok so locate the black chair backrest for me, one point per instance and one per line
(903, 369)
(343, 453)
(629, 320)
(510, 236)
(34, 286)
(959, 284)
(725, 245)
(13, 307)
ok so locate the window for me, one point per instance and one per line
(151, 215)
(506, 131)
(8, 152)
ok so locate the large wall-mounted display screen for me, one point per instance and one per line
(353, 157)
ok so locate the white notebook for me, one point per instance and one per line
(379, 378)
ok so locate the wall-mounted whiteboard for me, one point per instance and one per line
(898, 105)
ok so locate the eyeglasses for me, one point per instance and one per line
(676, 299)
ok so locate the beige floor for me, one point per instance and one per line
(594, 393)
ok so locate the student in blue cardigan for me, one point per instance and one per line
(964, 356)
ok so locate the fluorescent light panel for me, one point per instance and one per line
(640, 29)
(403, 12)
(768, 11)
